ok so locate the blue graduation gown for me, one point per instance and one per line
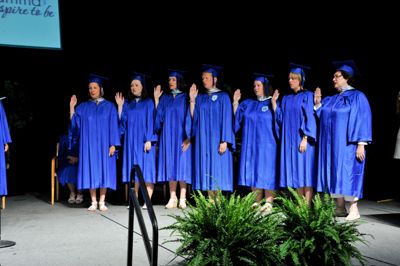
(295, 117)
(173, 164)
(212, 124)
(66, 172)
(4, 138)
(258, 156)
(345, 120)
(137, 126)
(95, 127)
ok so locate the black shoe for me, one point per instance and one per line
(341, 213)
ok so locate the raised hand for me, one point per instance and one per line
(317, 96)
(119, 99)
(236, 96)
(274, 98)
(73, 101)
(157, 92)
(193, 92)
(72, 104)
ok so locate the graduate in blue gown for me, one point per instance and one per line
(5, 139)
(213, 136)
(94, 124)
(298, 130)
(258, 155)
(67, 168)
(345, 129)
(136, 118)
(174, 150)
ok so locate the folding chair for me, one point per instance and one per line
(55, 187)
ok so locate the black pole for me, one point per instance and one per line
(151, 251)
(5, 243)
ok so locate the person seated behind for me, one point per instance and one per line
(68, 169)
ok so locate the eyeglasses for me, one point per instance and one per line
(337, 76)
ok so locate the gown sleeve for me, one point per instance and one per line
(360, 120)
(308, 124)
(239, 115)
(227, 134)
(4, 130)
(160, 113)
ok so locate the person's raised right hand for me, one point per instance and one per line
(236, 96)
(193, 92)
(157, 92)
(274, 98)
(317, 96)
(73, 101)
(119, 99)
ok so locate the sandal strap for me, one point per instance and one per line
(102, 206)
(93, 206)
(172, 203)
(182, 203)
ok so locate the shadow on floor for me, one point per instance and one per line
(390, 218)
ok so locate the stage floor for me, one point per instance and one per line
(74, 236)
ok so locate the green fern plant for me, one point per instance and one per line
(227, 231)
(312, 234)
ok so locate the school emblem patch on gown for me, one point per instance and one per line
(264, 108)
(214, 98)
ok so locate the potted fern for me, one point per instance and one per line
(312, 234)
(228, 231)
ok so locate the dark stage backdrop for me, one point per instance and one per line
(39, 83)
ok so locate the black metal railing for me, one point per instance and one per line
(152, 251)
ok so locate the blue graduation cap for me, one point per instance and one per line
(176, 73)
(214, 70)
(348, 66)
(139, 76)
(262, 77)
(300, 70)
(96, 78)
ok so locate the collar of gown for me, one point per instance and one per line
(176, 92)
(212, 90)
(346, 88)
(263, 98)
(98, 100)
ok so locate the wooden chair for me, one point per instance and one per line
(55, 187)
